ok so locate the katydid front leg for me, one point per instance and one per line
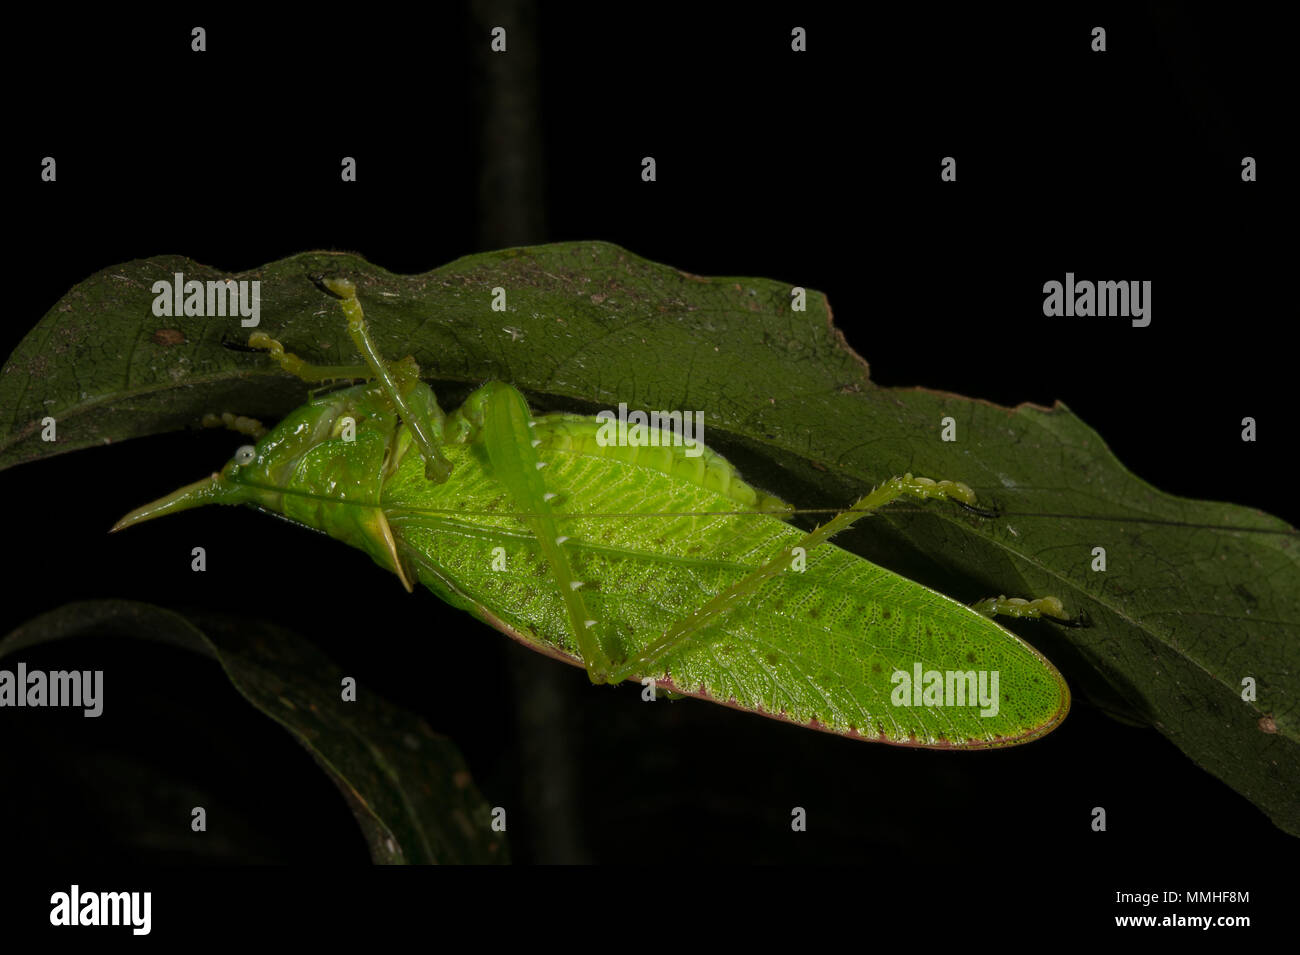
(436, 467)
(1044, 608)
(299, 368)
(396, 379)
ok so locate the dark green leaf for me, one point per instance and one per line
(1198, 596)
(408, 786)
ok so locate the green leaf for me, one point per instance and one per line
(1198, 595)
(408, 786)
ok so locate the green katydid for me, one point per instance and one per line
(637, 562)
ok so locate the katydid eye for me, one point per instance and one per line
(246, 455)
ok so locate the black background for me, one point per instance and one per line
(820, 169)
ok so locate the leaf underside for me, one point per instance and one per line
(1208, 594)
(407, 786)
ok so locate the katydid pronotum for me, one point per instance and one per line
(636, 562)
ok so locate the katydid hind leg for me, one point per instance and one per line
(499, 415)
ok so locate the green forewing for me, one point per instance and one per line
(818, 648)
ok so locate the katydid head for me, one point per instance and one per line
(337, 447)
